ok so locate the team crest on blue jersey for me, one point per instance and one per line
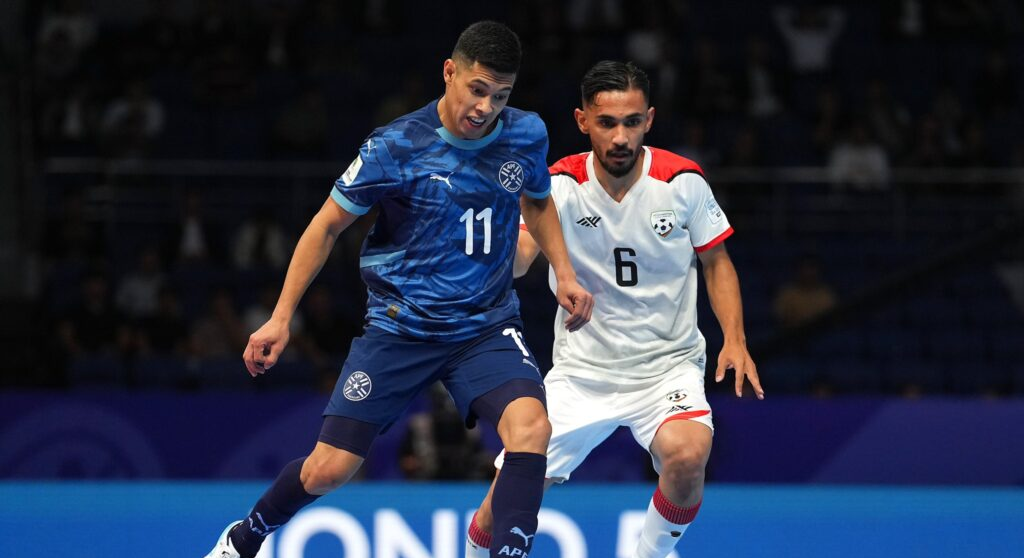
(357, 386)
(663, 222)
(511, 176)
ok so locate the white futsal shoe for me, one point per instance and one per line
(224, 548)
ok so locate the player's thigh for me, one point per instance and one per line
(582, 415)
(673, 410)
(491, 371)
(380, 377)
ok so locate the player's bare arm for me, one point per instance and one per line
(526, 252)
(723, 287)
(266, 344)
(541, 219)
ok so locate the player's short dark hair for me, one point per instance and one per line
(610, 75)
(492, 44)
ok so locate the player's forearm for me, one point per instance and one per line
(541, 219)
(310, 254)
(526, 252)
(723, 286)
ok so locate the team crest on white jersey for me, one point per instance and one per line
(511, 176)
(663, 222)
(357, 386)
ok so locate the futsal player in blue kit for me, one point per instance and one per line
(449, 181)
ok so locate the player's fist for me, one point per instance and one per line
(265, 346)
(577, 301)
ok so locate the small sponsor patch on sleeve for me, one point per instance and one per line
(352, 171)
(714, 212)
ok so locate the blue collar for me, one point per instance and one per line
(471, 144)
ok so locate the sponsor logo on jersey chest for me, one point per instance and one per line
(511, 176)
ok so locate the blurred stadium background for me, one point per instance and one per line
(158, 160)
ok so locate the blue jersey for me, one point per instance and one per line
(438, 261)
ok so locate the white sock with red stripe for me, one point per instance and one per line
(664, 526)
(478, 541)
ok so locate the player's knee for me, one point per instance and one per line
(321, 478)
(684, 466)
(529, 434)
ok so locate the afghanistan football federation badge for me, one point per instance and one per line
(663, 222)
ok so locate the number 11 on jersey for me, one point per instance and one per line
(484, 216)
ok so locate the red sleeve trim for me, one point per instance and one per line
(522, 227)
(714, 241)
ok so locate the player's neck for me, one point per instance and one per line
(618, 187)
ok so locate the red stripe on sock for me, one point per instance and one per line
(479, 537)
(672, 512)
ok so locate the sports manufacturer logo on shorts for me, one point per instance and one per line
(511, 176)
(357, 386)
(663, 222)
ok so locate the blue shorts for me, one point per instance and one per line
(385, 371)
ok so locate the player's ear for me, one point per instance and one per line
(650, 119)
(448, 71)
(581, 120)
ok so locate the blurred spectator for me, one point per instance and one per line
(829, 120)
(976, 152)
(810, 33)
(69, 118)
(56, 61)
(94, 326)
(696, 147)
(712, 87)
(70, 236)
(138, 292)
(259, 312)
(165, 331)
(887, 120)
(762, 81)
(160, 40)
(995, 88)
(401, 102)
(328, 333)
(192, 240)
(132, 121)
(904, 19)
(805, 297)
(280, 37)
(927, 146)
(437, 445)
(260, 243)
(859, 162)
(746, 149)
(219, 332)
(594, 15)
(71, 20)
(301, 128)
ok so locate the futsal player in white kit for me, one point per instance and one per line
(635, 220)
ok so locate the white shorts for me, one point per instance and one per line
(585, 411)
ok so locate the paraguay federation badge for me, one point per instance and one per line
(511, 176)
(663, 222)
(357, 386)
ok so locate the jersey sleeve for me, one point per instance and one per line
(539, 184)
(367, 179)
(706, 221)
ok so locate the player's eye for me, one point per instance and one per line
(633, 122)
(501, 97)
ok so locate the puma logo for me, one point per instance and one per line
(445, 179)
(526, 538)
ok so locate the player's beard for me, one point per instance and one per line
(622, 169)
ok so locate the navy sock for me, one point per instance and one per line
(515, 503)
(278, 504)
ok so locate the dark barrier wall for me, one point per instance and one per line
(159, 435)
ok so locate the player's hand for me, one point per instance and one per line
(577, 301)
(265, 346)
(734, 355)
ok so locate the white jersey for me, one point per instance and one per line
(638, 258)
